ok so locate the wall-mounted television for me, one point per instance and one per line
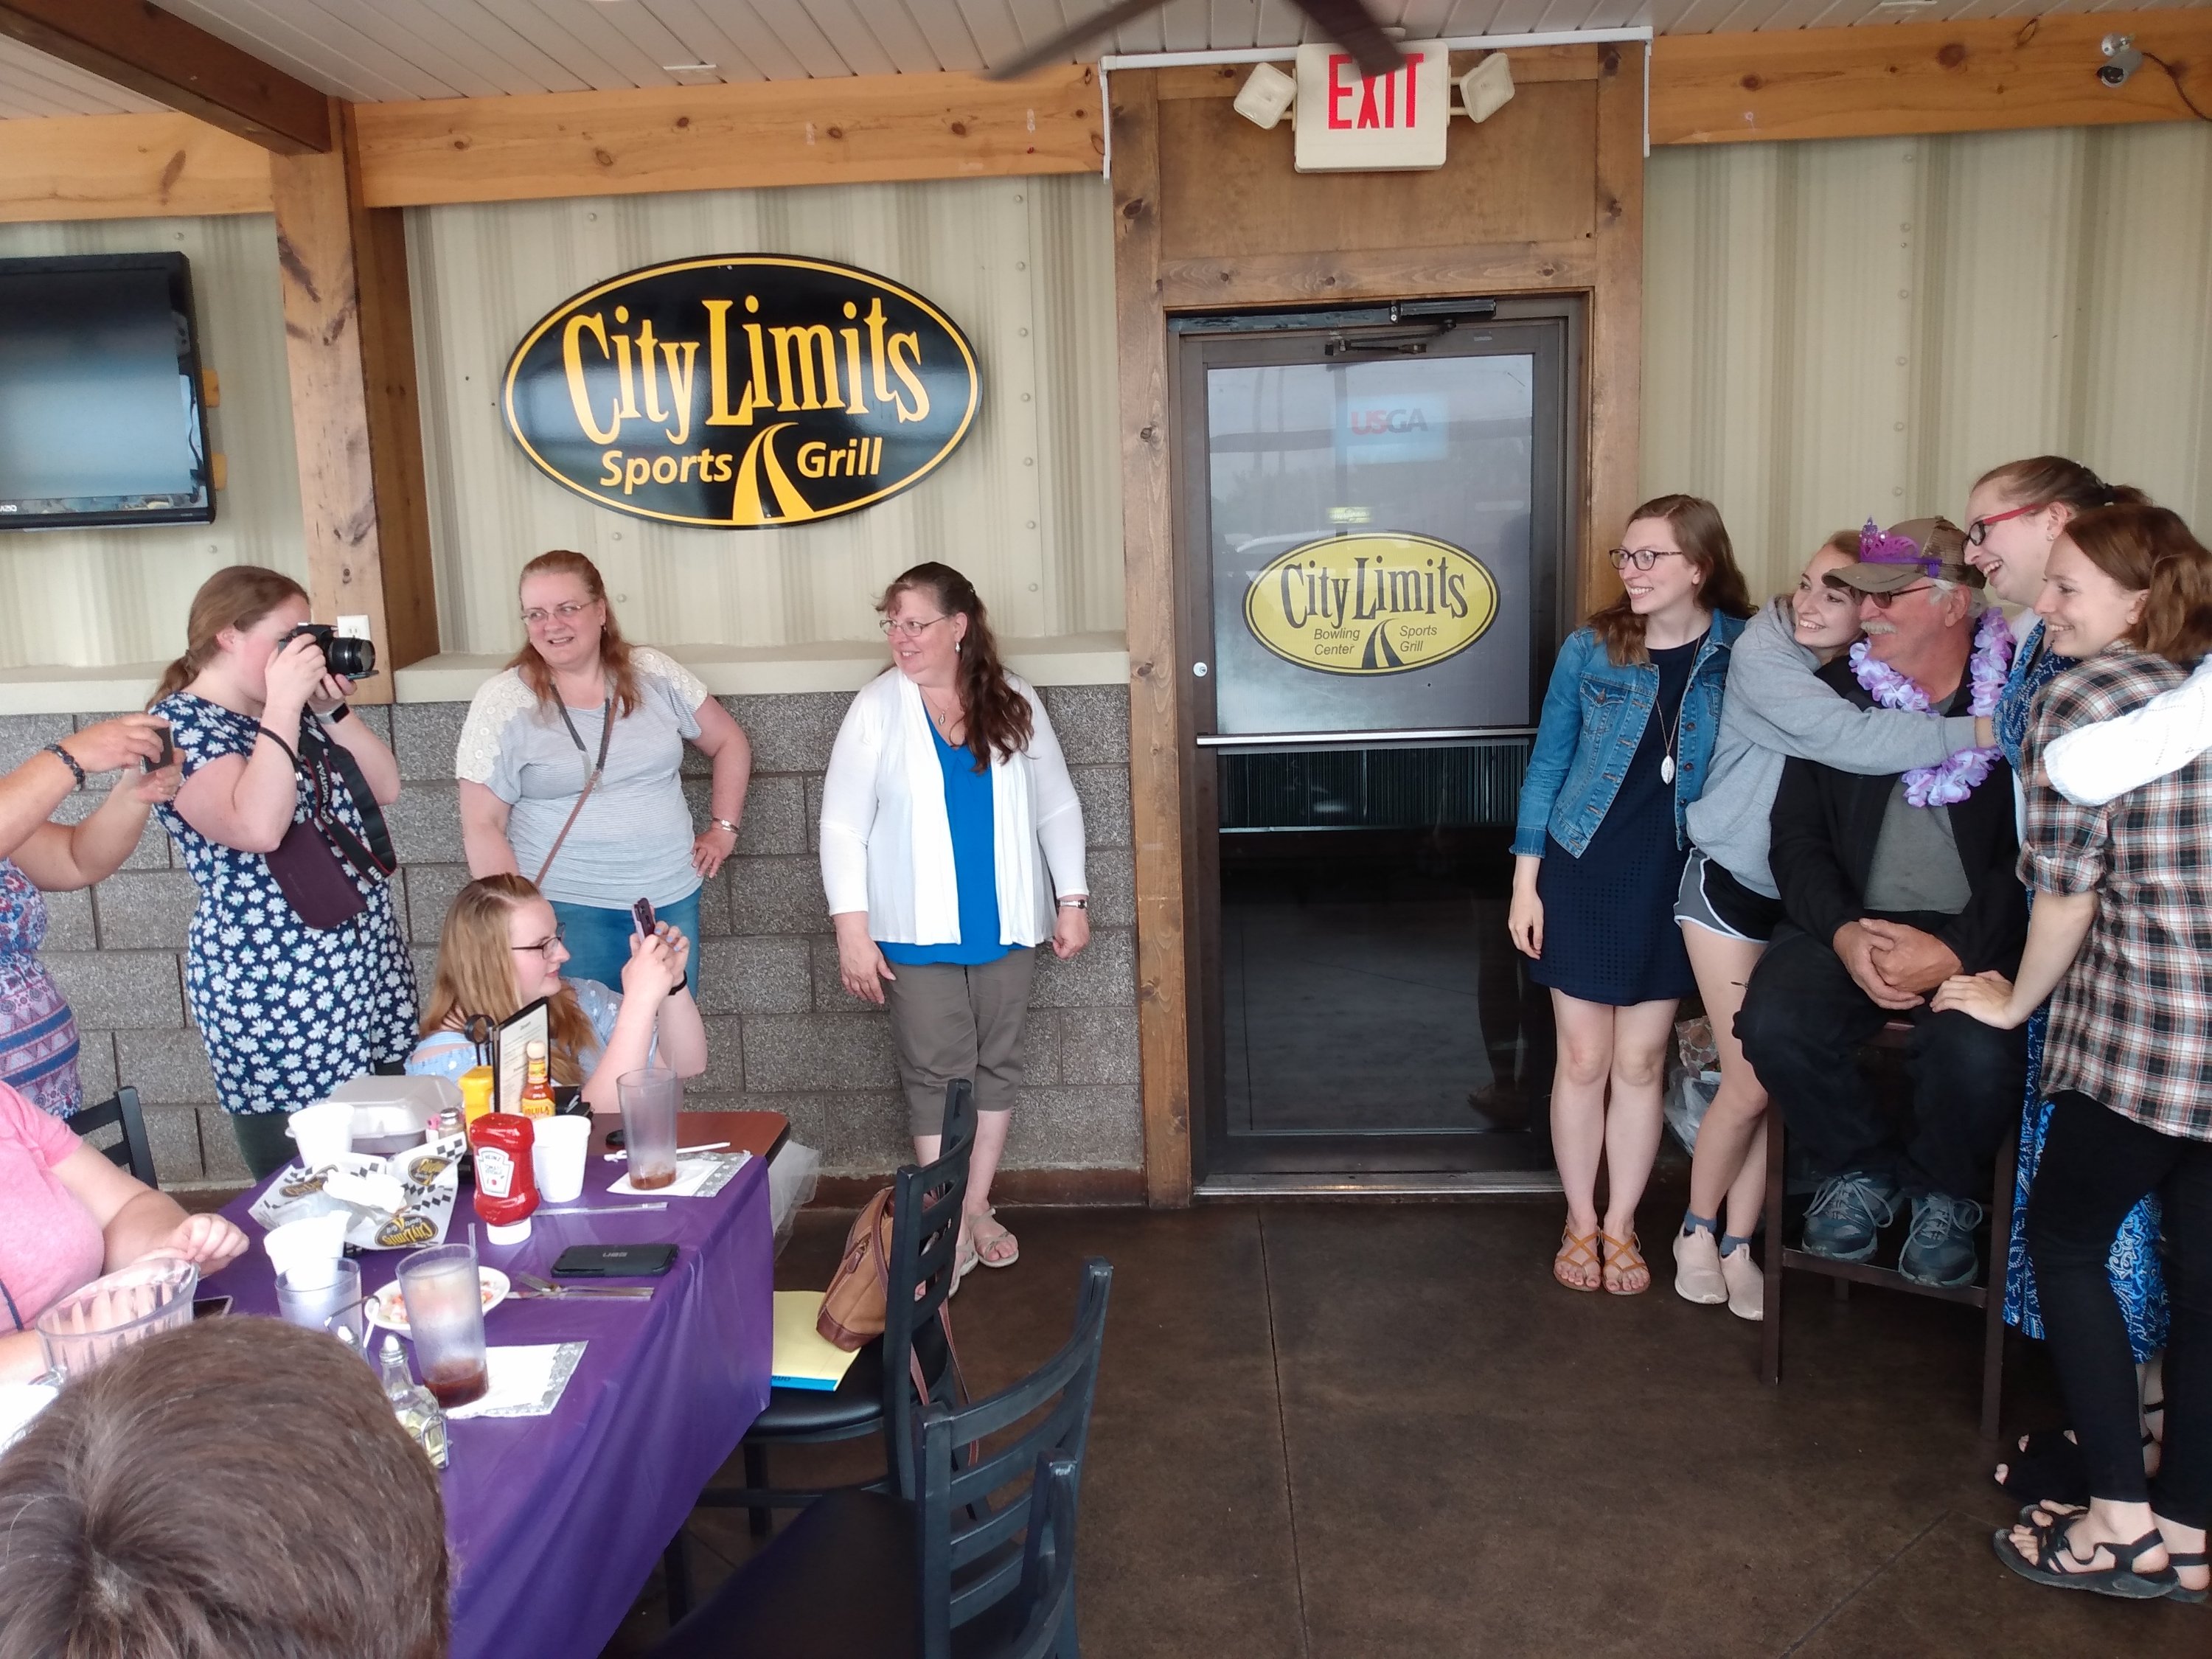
(102, 419)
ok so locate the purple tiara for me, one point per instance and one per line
(1877, 548)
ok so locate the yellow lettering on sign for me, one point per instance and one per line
(900, 366)
(815, 344)
(572, 360)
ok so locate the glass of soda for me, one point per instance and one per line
(445, 1316)
(650, 1099)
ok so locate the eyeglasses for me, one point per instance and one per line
(1642, 558)
(537, 616)
(1978, 532)
(911, 630)
(1881, 601)
(544, 946)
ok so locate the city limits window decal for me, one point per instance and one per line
(742, 390)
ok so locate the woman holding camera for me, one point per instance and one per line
(272, 816)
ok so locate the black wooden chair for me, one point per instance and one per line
(980, 1565)
(876, 1395)
(132, 1151)
(1882, 1056)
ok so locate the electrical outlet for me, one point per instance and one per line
(353, 628)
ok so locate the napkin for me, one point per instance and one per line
(696, 1176)
(19, 1403)
(315, 1238)
(525, 1381)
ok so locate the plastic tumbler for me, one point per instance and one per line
(96, 1322)
(649, 1103)
(445, 1316)
(322, 1296)
(559, 1153)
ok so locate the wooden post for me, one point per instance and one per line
(349, 342)
(1155, 668)
(1616, 323)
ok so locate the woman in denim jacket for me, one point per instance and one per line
(1598, 856)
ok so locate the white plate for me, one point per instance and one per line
(388, 1309)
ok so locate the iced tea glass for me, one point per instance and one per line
(650, 1099)
(444, 1317)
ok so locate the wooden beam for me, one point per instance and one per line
(349, 342)
(126, 166)
(1616, 324)
(1351, 275)
(1972, 75)
(1155, 663)
(859, 129)
(160, 56)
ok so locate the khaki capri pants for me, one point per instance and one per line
(948, 1021)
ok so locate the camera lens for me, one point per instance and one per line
(353, 659)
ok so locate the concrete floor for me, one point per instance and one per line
(1337, 1431)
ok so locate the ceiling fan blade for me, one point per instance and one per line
(1354, 27)
(1062, 47)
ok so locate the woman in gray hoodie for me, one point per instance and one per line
(1728, 905)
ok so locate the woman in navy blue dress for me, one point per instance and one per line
(1622, 750)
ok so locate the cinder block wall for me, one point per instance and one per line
(782, 1033)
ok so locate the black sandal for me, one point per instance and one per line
(2120, 1579)
(2177, 1560)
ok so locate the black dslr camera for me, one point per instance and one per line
(350, 659)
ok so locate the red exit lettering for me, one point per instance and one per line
(1378, 115)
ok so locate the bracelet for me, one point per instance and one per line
(337, 715)
(724, 823)
(68, 760)
(1078, 904)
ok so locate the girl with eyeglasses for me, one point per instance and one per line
(1621, 751)
(951, 848)
(502, 949)
(570, 767)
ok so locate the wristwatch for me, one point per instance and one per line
(1076, 902)
(337, 715)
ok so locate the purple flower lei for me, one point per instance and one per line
(1953, 780)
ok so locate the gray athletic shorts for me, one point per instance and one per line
(1717, 901)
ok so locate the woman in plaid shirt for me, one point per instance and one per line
(2121, 941)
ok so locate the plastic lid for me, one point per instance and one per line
(516, 1232)
(534, 1049)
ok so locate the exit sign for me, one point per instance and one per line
(1346, 124)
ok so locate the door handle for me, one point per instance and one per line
(1197, 671)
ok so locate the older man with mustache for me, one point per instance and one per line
(1890, 885)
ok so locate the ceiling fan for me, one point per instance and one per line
(1348, 22)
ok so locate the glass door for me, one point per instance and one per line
(1374, 515)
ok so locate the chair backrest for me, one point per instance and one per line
(133, 1151)
(1047, 1585)
(968, 1564)
(925, 1206)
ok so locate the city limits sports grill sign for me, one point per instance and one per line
(1370, 603)
(741, 390)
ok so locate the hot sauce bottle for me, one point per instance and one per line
(506, 1182)
(537, 1081)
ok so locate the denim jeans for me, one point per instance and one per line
(598, 938)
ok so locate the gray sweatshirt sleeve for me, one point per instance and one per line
(1772, 690)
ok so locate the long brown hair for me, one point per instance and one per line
(614, 650)
(238, 596)
(998, 716)
(2042, 479)
(331, 1539)
(1697, 524)
(476, 973)
(2149, 550)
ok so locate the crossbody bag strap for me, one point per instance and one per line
(591, 779)
(376, 859)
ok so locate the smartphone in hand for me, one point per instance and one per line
(642, 915)
(167, 757)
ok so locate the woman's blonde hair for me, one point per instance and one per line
(614, 650)
(476, 973)
(238, 596)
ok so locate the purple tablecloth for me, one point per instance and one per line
(555, 1522)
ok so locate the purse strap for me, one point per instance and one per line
(375, 861)
(591, 779)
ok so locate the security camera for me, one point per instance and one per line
(2123, 60)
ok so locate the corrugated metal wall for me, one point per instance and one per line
(91, 598)
(1029, 506)
(1838, 329)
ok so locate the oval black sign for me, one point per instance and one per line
(742, 390)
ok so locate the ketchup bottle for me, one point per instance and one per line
(507, 1180)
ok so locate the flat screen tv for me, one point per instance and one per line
(102, 420)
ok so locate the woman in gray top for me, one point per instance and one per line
(1728, 905)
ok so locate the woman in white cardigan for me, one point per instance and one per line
(951, 846)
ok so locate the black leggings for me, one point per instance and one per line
(2096, 1165)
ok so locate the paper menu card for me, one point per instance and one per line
(510, 1063)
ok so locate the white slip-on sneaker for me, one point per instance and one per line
(1698, 1269)
(1747, 1283)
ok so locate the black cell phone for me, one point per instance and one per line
(641, 914)
(208, 1306)
(168, 754)
(615, 1261)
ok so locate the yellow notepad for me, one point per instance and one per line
(804, 1358)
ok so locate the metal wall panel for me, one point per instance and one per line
(1029, 506)
(97, 598)
(1835, 331)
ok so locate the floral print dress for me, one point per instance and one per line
(289, 1011)
(2138, 1281)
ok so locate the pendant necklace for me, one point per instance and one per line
(1667, 761)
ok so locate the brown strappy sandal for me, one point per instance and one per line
(1624, 1257)
(1575, 1255)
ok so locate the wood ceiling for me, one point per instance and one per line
(373, 51)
